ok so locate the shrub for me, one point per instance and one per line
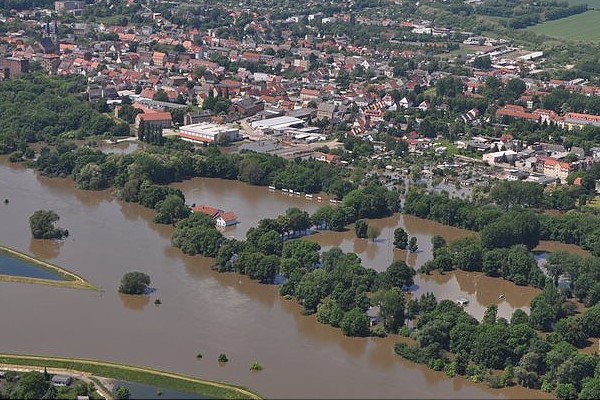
(255, 366)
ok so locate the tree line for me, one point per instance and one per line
(508, 217)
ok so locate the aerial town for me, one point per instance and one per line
(354, 154)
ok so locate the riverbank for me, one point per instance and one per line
(72, 280)
(130, 373)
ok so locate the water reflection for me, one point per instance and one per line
(479, 289)
(87, 197)
(132, 302)
(45, 249)
(119, 148)
(381, 253)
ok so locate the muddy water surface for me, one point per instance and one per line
(202, 311)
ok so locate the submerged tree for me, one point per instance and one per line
(412, 245)
(373, 232)
(400, 238)
(42, 226)
(361, 228)
(134, 283)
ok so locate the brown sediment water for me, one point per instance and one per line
(203, 311)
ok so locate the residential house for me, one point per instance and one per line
(309, 94)
(404, 103)
(326, 111)
(556, 168)
(226, 219)
(423, 106)
(196, 117)
(208, 210)
(62, 380)
(328, 158)
(161, 119)
(222, 219)
(516, 111)
(249, 106)
(579, 120)
(159, 59)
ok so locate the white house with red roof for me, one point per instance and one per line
(226, 219)
(222, 218)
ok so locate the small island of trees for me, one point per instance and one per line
(42, 225)
(135, 283)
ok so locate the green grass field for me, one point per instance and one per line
(584, 27)
(595, 4)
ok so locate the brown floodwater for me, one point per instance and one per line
(202, 311)
(479, 289)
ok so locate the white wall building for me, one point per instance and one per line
(206, 132)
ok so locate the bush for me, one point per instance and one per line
(379, 331)
(404, 331)
(255, 366)
(222, 358)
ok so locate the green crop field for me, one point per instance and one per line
(584, 27)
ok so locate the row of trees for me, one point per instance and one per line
(177, 160)
(506, 223)
(151, 133)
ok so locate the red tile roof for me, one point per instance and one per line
(157, 116)
(208, 210)
(228, 216)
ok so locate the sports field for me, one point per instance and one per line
(584, 27)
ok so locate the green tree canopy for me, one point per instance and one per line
(355, 323)
(134, 283)
(42, 226)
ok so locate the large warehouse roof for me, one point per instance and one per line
(277, 122)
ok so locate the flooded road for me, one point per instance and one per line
(202, 311)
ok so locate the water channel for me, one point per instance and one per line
(210, 313)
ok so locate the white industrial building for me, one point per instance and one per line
(278, 123)
(206, 132)
(500, 156)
